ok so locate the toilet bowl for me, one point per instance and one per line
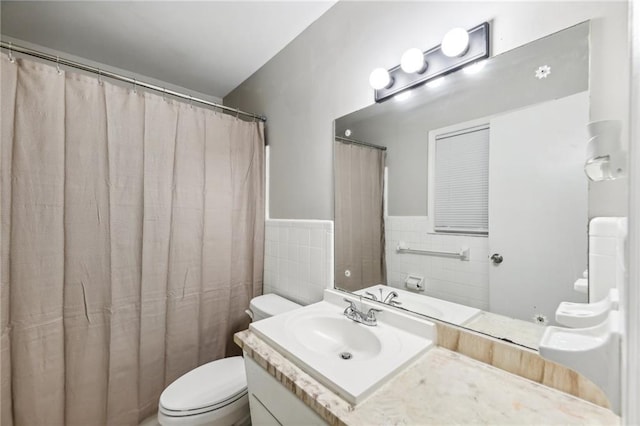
(215, 394)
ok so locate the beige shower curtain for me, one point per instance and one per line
(132, 242)
(359, 216)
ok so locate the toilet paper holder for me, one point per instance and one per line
(414, 282)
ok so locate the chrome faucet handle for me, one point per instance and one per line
(392, 295)
(371, 295)
(371, 313)
(352, 306)
(370, 317)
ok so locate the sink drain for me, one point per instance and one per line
(345, 355)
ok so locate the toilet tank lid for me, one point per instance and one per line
(271, 304)
(207, 385)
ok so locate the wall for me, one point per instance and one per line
(298, 259)
(323, 74)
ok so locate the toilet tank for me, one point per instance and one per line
(268, 305)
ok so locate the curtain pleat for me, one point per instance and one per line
(132, 242)
(359, 222)
(160, 122)
(125, 135)
(8, 82)
(246, 169)
(87, 266)
(37, 247)
(216, 244)
(185, 251)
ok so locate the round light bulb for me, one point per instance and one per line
(379, 79)
(455, 42)
(412, 61)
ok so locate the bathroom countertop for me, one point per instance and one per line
(440, 387)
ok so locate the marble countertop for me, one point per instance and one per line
(441, 387)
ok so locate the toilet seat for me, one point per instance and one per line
(208, 388)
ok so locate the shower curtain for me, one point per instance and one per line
(132, 242)
(359, 216)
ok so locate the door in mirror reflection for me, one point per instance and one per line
(538, 208)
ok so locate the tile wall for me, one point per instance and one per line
(465, 282)
(298, 259)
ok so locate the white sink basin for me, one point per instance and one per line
(350, 358)
(332, 336)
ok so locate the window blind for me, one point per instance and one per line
(462, 181)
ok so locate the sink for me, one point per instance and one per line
(351, 359)
(334, 336)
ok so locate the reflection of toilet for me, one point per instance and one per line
(215, 393)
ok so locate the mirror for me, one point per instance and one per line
(465, 199)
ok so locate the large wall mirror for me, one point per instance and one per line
(465, 199)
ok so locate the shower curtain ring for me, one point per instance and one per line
(190, 101)
(135, 89)
(58, 65)
(11, 58)
(164, 93)
(99, 76)
(237, 112)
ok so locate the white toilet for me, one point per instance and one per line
(215, 393)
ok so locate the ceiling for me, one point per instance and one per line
(206, 46)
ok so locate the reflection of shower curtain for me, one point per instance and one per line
(359, 222)
(132, 242)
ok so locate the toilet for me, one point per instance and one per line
(215, 393)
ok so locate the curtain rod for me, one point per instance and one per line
(357, 142)
(41, 55)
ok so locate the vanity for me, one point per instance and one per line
(436, 386)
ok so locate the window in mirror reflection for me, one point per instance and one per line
(460, 173)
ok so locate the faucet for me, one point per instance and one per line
(389, 299)
(354, 314)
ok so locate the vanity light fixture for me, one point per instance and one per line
(459, 48)
(412, 61)
(380, 79)
(455, 42)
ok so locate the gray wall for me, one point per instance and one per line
(323, 74)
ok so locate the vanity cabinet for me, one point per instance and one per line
(273, 404)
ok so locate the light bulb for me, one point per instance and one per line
(380, 79)
(412, 61)
(455, 42)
